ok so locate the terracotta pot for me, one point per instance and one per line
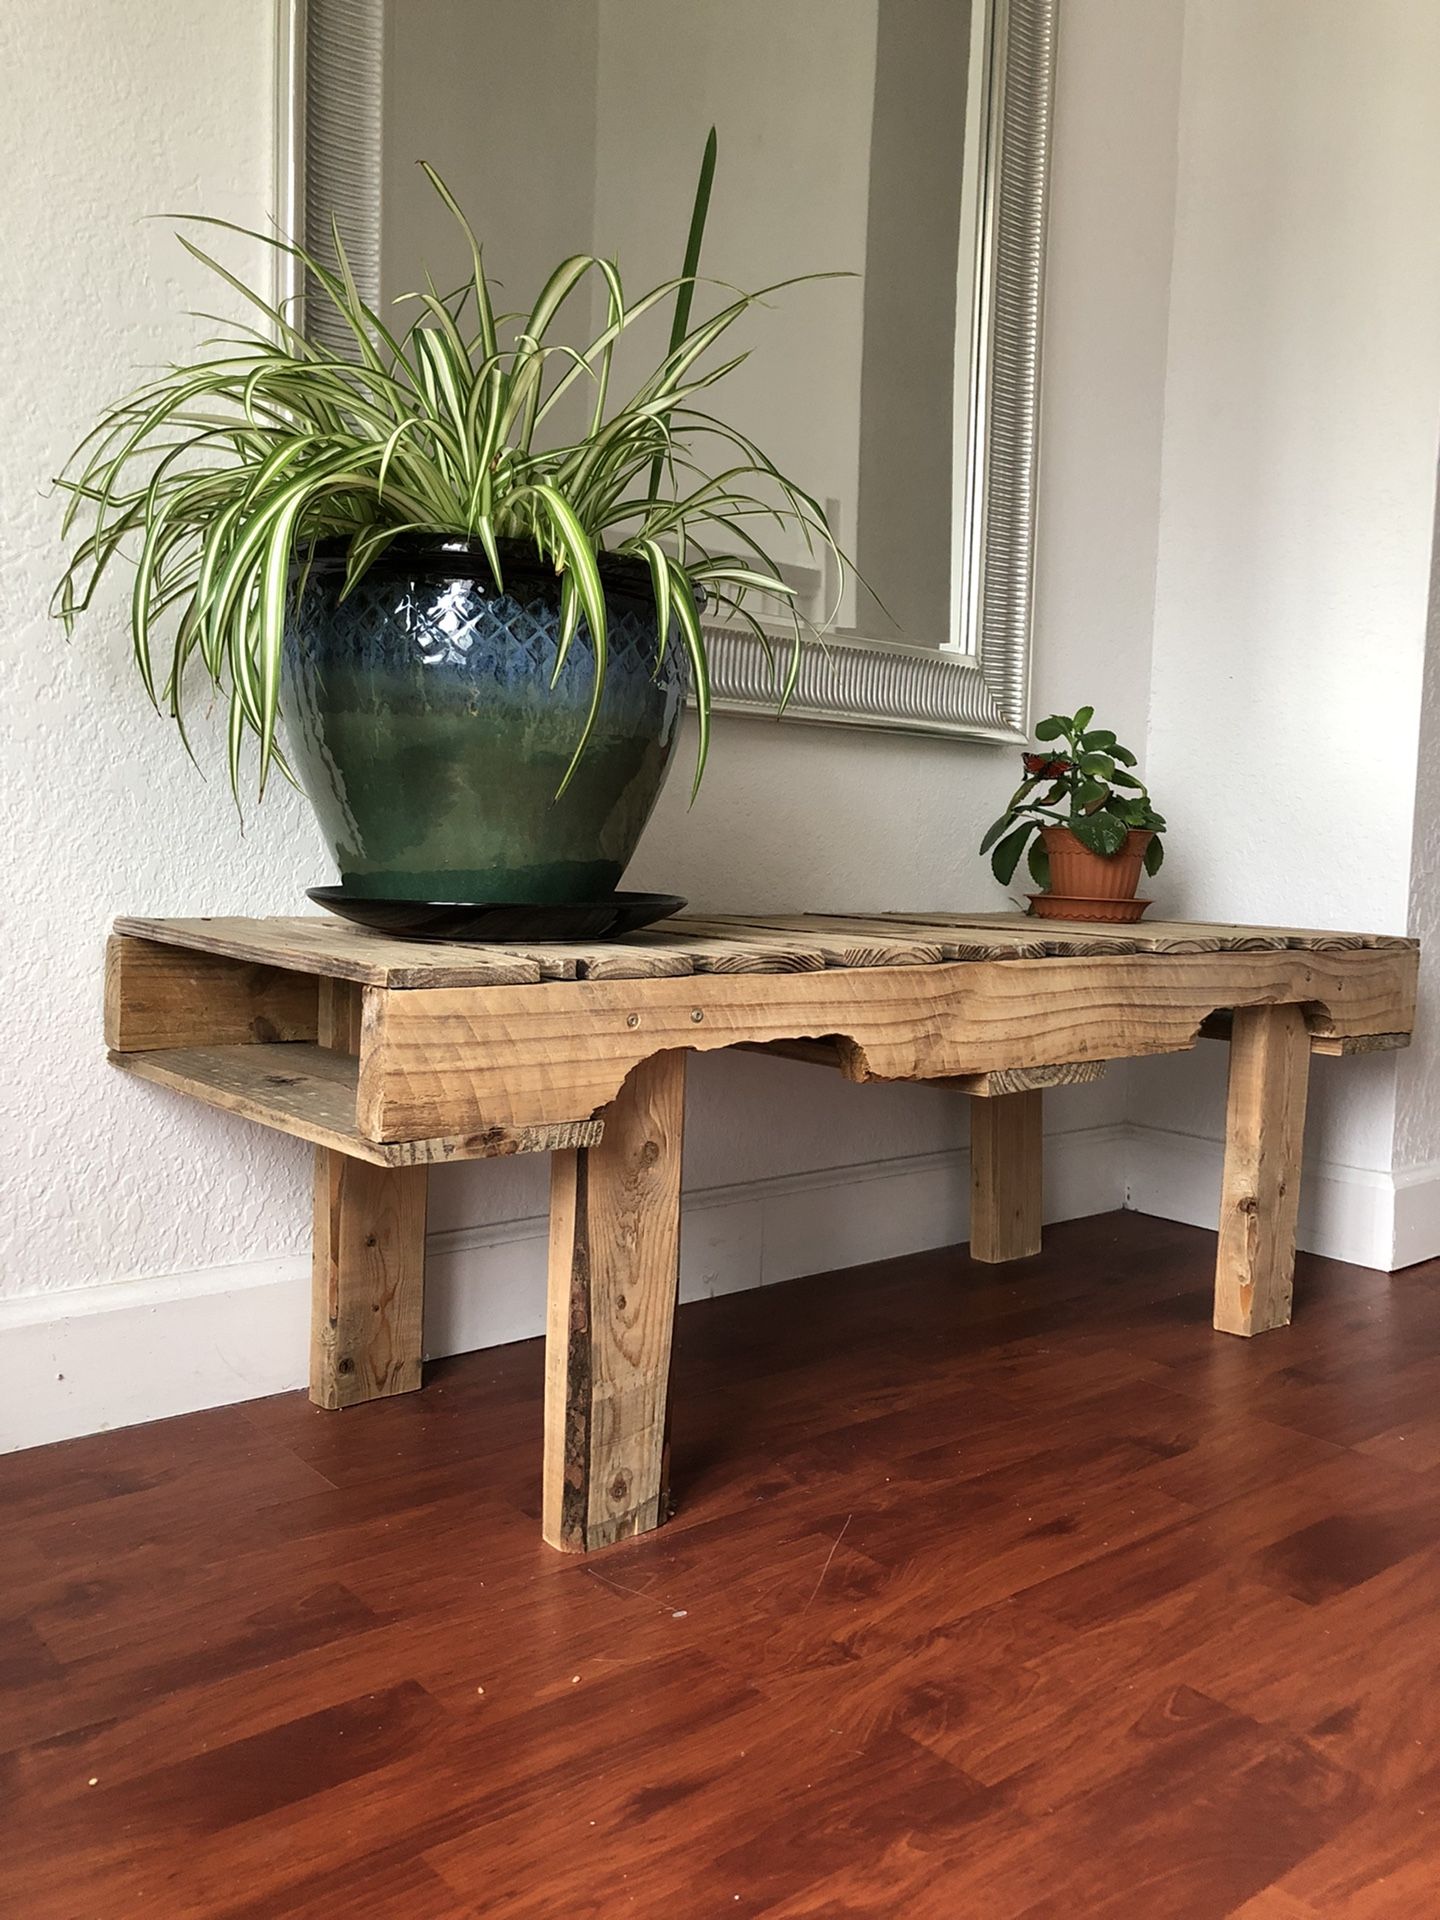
(1082, 875)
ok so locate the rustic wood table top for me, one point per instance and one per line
(720, 943)
(390, 1054)
(466, 1050)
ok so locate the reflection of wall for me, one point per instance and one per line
(789, 88)
(576, 126)
(906, 422)
(499, 97)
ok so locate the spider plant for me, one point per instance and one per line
(217, 477)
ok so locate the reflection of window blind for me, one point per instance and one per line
(907, 415)
(344, 53)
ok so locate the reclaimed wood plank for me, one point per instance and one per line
(448, 1060)
(1005, 1176)
(321, 944)
(850, 941)
(1005, 1080)
(980, 1086)
(1341, 1045)
(839, 948)
(1260, 1187)
(1332, 1045)
(614, 1274)
(612, 960)
(331, 948)
(367, 1264)
(164, 996)
(1013, 936)
(309, 1092)
(368, 1290)
(341, 1011)
(1190, 936)
(730, 954)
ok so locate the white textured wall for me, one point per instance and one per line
(1417, 1105)
(1301, 409)
(113, 114)
(170, 108)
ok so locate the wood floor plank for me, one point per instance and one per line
(990, 1592)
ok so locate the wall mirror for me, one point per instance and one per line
(900, 142)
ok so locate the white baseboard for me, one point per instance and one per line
(1417, 1215)
(1373, 1218)
(137, 1350)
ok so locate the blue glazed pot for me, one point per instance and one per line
(423, 727)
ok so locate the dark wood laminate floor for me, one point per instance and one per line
(992, 1593)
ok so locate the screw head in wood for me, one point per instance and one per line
(696, 1014)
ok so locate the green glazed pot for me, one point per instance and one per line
(423, 727)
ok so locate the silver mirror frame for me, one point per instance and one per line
(328, 158)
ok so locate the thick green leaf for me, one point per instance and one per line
(993, 833)
(683, 602)
(694, 240)
(1154, 855)
(1100, 832)
(1006, 856)
(1098, 764)
(1052, 728)
(659, 565)
(1083, 717)
(1039, 861)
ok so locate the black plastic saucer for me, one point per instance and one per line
(461, 920)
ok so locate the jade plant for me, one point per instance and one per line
(1083, 779)
(217, 477)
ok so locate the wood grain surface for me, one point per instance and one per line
(449, 1060)
(721, 943)
(614, 1276)
(993, 1594)
(1260, 1187)
(310, 1092)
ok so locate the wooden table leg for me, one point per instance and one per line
(1006, 1166)
(367, 1298)
(368, 1287)
(614, 1269)
(1260, 1194)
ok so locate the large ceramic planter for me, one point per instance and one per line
(423, 727)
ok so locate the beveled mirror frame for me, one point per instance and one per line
(328, 160)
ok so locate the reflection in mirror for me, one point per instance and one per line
(849, 144)
(901, 144)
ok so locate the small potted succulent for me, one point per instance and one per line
(1085, 816)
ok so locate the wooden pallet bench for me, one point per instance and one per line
(391, 1055)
